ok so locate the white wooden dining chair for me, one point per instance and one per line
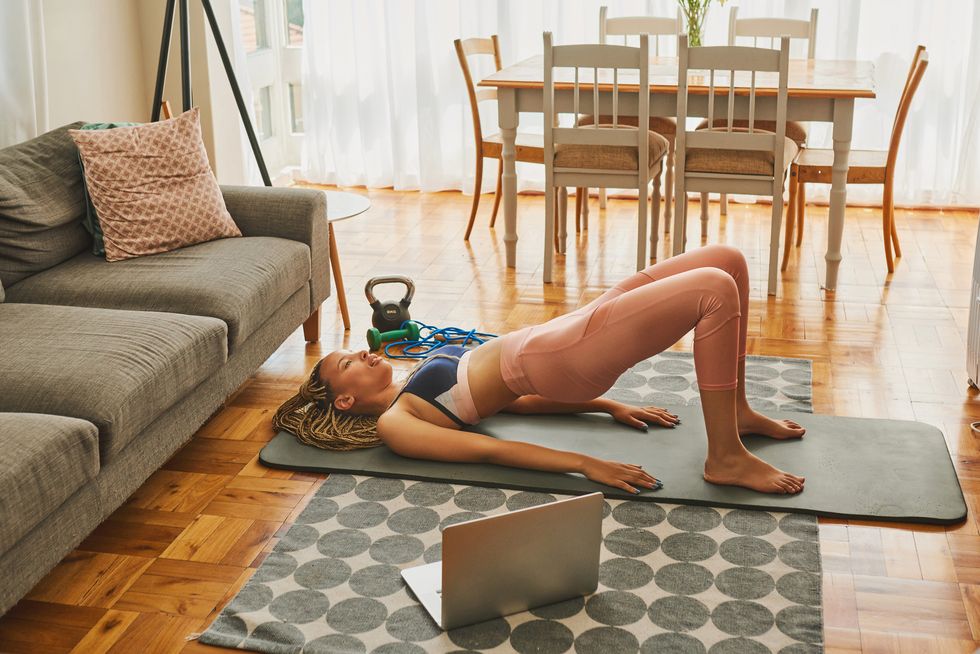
(731, 159)
(770, 30)
(604, 155)
(661, 29)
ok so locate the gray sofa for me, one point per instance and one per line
(106, 369)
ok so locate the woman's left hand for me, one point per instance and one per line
(639, 417)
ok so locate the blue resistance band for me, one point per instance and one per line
(432, 338)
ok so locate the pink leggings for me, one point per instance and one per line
(580, 355)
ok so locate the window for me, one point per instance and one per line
(294, 22)
(263, 112)
(296, 107)
(255, 27)
(272, 33)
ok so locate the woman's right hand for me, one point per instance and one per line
(619, 475)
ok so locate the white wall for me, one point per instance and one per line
(102, 58)
(94, 54)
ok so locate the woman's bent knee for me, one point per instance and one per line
(718, 282)
(728, 258)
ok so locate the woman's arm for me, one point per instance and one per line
(630, 415)
(536, 404)
(415, 438)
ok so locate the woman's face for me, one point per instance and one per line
(354, 375)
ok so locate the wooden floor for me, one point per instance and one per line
(166, 562)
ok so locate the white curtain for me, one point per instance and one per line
(23, 79)
(385, 103)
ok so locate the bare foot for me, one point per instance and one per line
(749, 471)
(753, 422)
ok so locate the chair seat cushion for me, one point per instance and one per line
(119, 370)
(241, 281)
(737, 162)
(794, 130)
(609, 157)
(662, 125)
(43, 461)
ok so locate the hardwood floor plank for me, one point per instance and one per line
(194, 607)
(63, 614)
(28, 637)
(840, 601)
(965, 550)
(90, 579)
(106, 632)
(867, 555)
(155, 633)
(841, 641)
(235, 423)
(971, 600)
(911, 607)
(130, 538)
(216, 456)
(935, 559)
(33, 626)
(182, 492)
(901, 557)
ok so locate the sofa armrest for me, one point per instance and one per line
(297, 214)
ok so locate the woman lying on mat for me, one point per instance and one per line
(562, 366)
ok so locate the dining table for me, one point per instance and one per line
(818, 90)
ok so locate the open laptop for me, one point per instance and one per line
(512, 562)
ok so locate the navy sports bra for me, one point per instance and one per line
(441, 381)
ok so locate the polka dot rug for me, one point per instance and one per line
(672, 578)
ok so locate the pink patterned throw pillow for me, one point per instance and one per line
(152, 187)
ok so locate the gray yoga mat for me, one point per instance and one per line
(894, 470)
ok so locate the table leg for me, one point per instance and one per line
(338, 279)
(585, 208)
(843, 124)
(508, 119)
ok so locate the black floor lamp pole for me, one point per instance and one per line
(185, 60)
(168, 28)
(185, 69)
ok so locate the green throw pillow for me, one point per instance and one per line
(91, 220)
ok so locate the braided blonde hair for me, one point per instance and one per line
(311, 416)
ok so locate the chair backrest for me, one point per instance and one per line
(596, 60)
(469, 47)
(919, 49)
(919, 63)
(731, 60)
(773, 28)
(627, 26)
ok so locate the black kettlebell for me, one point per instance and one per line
(389, 315)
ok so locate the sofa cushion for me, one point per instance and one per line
(152, 187)
(41, 205)
(241, 281)
(90, 221)
(43, 461)
(117, 369)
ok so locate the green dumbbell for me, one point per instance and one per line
(408, 333)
